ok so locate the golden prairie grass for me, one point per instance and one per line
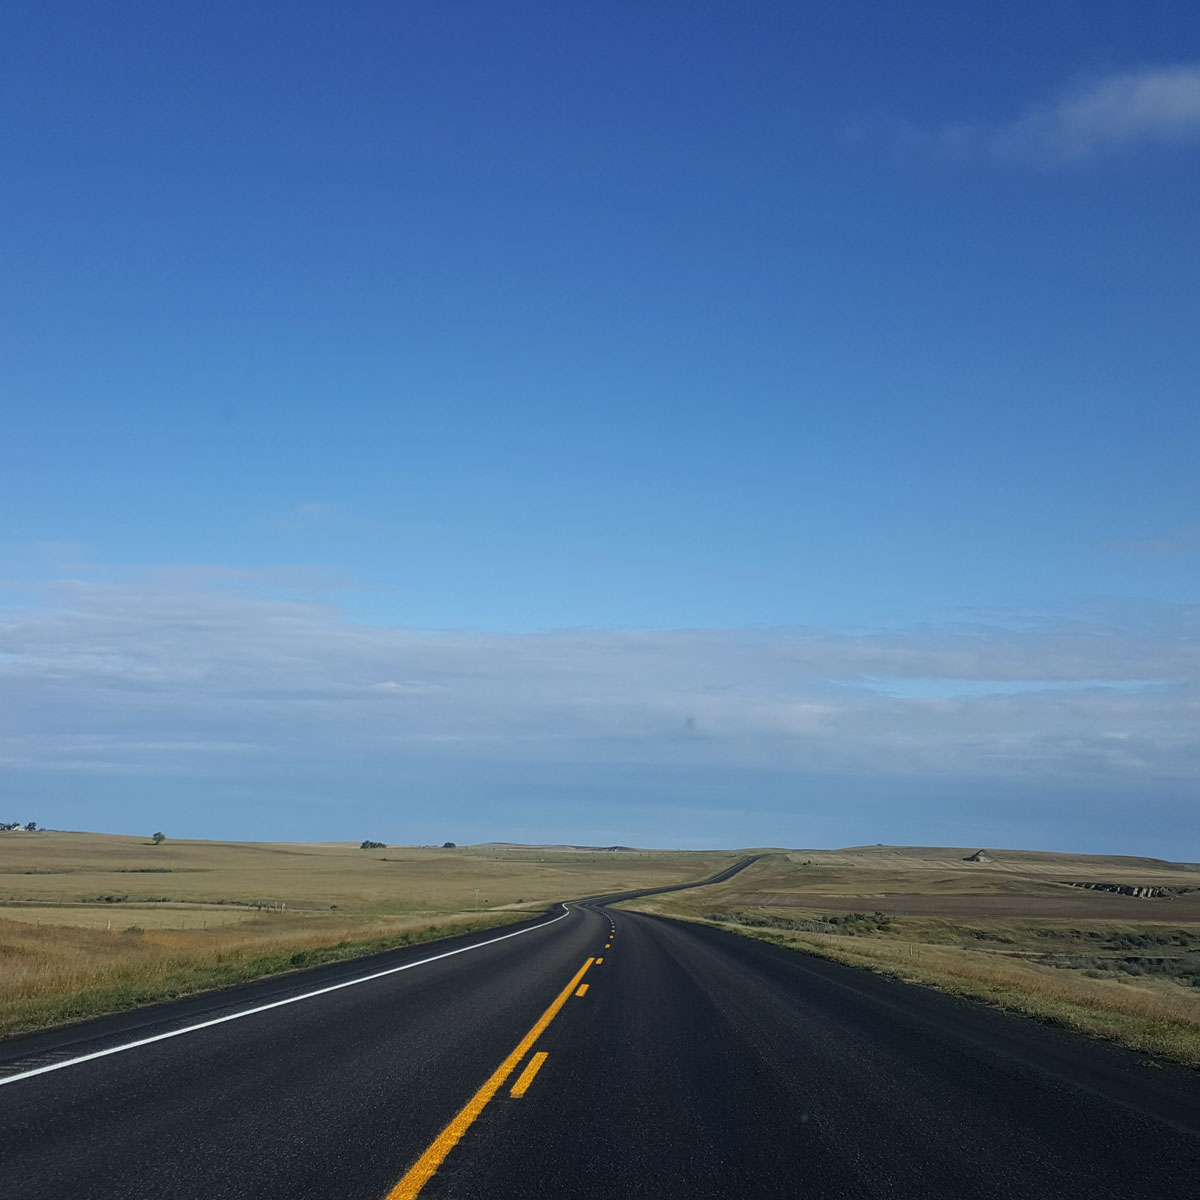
(116, 918)
(948, 867)
(87, 869)
(208, 914)
(933, 880)
(58, 973)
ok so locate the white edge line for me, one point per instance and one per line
(249, 1012)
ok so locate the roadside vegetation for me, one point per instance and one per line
(54, 974)
(93, 923)
(1122, 968)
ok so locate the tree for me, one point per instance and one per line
(31, 827)
(449, 846)
(159, 838)
(369, 845)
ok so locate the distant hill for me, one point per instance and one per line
(547, 846)
(1033, 858)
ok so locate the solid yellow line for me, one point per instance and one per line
(581, 990)
(420, 1173)
(535, 1065)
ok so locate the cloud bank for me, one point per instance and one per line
(210, 673)
(1152, 106)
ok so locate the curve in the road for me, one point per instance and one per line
(31, 1058)
(609, 1053)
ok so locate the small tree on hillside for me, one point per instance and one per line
(369, 845)
(449, 846)
(159, 838)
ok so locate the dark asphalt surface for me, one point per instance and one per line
(698, 1065)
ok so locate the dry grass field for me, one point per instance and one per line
(1012, 931)
(94, 923)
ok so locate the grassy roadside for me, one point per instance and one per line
(1160, 1020)
(59, 974)
(100, 923)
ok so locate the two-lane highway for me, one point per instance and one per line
(600, 1053)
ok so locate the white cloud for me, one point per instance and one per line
(180, 672)
(1158, 104)
(1152, 105)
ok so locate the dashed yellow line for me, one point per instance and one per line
(581, 990)
(535, 1065)
(420, 1173)
(599, 961)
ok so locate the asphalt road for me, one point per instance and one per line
(694, 1064)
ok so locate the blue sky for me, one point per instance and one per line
(672, 423)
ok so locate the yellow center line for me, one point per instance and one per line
(599, 961)
(608, 945)
(535, 1065)
(581, 990)
(420, 1173)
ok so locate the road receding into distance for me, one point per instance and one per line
(592, 1053)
